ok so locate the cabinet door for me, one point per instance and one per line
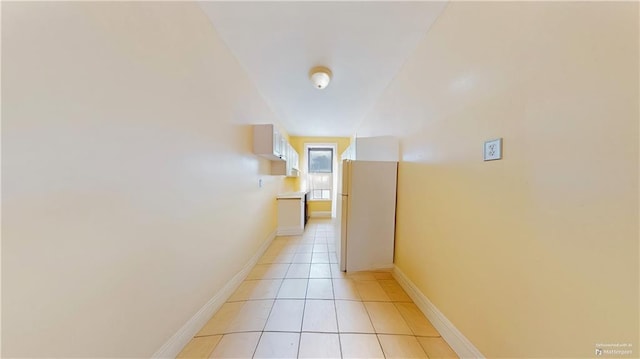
(268, 142)
(288, 159)
(283, 147)
(295, 160)
(276, 142)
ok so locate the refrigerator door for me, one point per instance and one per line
(371, 215)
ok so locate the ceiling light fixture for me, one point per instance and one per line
(320, 77)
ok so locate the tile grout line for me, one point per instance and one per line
(404, 319)
(349, 300)
(374, 328)
(257, 344)
(304, 308)
(269, 316)
(335, 308)
(320, 240)
(315, 332)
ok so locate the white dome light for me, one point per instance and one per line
(320, 77)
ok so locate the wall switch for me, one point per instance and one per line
(493, 150)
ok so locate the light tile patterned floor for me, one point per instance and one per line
(295, 303)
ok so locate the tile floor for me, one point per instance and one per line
(296, 303)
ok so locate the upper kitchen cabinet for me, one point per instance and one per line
(269, 143)
(381, 148)
(288, 167)
(292, 162)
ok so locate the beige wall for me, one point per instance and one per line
(535, 255)
(130, 194)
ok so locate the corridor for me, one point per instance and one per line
(296, 303)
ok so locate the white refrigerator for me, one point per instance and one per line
(367, 212)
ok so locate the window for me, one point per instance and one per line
(320, 173)
(320, 160)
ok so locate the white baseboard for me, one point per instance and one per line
(320, 214)
(456, 340)
(174, 345)
(290, 231)
(385, 268)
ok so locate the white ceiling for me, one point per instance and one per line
(363, 43)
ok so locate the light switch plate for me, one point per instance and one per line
(493, 150)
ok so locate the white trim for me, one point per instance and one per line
(456, 340)
(335, 167)
(384, 268)
(290, 231)
(320, 214)
(177, 342)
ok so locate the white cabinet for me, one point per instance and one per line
(268, 142)
(292, 162)
(381, 148)
(348, 153)
(291, 213)
(284, 147)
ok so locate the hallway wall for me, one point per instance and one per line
(129, 191)
(535, 255)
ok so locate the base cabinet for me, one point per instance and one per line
(291, 215)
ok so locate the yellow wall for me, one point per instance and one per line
(535, 255)
(298, 144)
(320, 206)
(129, 191)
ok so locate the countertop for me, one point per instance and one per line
(291, 195)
